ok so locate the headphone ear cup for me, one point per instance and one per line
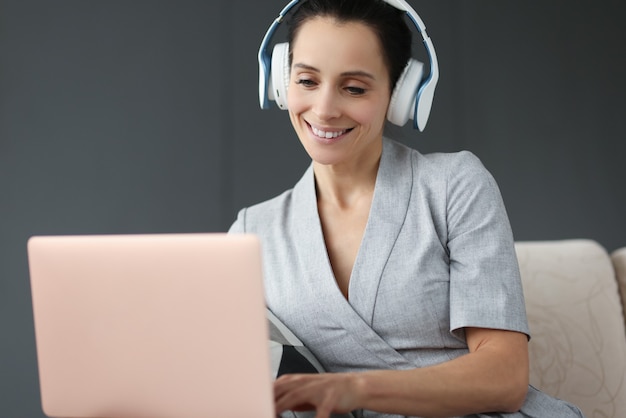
(403, 98)
(279, 75)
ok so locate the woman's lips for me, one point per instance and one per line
(327, 135)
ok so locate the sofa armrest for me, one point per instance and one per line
(578, 342)
(619, 264)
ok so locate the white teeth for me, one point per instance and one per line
(327, 135)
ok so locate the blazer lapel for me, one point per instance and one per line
(389, 207)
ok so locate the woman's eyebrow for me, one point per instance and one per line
(356, 73)
(306, 67)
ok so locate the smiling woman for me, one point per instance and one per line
(397, 270)
(338, 106)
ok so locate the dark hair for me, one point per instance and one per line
(385, 20)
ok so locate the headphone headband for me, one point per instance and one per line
(425, 90)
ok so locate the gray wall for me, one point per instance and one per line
(142, 116)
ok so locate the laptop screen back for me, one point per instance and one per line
(169, 325)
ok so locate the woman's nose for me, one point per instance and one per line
(327, 103)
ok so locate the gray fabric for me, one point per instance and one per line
(437, 256)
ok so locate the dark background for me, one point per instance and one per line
(142, 116)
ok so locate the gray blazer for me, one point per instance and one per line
(437, 256)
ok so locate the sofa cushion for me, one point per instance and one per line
(578, 343)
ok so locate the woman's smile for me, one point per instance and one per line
(327, 135)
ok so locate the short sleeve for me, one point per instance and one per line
(485, 284)
(238, 227)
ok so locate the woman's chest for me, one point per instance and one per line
(402, 294)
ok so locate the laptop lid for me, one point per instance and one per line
(163, 325)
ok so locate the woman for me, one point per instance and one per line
(396, 269)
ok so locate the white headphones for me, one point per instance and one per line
(413, 94)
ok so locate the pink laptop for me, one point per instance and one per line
(159, 326)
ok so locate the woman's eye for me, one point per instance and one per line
(305, 82)
(355, 91)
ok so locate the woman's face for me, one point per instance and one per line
(338, 91)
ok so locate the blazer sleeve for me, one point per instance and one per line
(485, 283)
(238, 227)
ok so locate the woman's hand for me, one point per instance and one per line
(326, 393)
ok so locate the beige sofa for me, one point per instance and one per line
(575, 294)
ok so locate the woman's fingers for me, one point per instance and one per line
(326, 393)
(291, 392)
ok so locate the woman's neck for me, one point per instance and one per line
(345, 185)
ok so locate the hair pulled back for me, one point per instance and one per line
(386, 21)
